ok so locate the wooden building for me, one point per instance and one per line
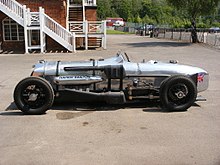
(44, 25)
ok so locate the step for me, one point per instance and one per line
(75, 13)
(94, 42)
(34, 47)
(33, 28)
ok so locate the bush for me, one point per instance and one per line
(202, 25)
(216, 24)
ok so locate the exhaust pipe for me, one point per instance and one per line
(108, 97)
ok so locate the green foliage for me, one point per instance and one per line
(123, 8)
(201, 25)
(175, 13)
(195, 8)
(104, 9)
(148, 20)
(116, 32)
(215, 24)
(137, 19)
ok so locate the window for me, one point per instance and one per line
(34, 36)
(12, 31)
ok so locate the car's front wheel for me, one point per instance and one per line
(178, 93)
(33, 95)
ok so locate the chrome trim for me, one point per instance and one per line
(77, 80)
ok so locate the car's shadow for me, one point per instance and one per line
(156, 44)
(147, 106)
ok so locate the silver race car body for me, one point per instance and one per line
(114, 80)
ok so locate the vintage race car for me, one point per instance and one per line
(114, 80)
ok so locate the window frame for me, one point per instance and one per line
(17, 32)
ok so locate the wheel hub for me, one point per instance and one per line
(180, 94)
(33, 97)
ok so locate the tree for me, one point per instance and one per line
(156, 12)
(136, 7)
(193, 9)
(122, 8)
(104, 9)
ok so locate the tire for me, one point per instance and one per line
(178, 93)
(33, 95)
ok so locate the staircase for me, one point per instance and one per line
(75, 13)
(37, 21)
(93, 33)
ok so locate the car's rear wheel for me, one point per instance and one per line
(33, 95)
(178, 93)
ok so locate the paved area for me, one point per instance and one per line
(131, 135)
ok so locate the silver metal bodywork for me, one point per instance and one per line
(152, 72)
(114, 80)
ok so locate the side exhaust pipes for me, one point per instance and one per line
(108, 97)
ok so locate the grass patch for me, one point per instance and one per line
(117, 32)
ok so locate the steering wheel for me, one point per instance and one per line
(126, 56)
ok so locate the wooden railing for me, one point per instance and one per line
(13, 6)
(90, 2)
(95, 27)
(82, 2)
(77, 27)
(33, 18)
(58, 30)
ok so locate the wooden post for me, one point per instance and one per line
(104, 40)
(25, 29)
(164, 33)
(42, 24)
(67, 14)
(86, 25)
(74, 42)
(84, 10)
(216, 37)
(205, 34)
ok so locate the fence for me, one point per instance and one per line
(204, 35)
